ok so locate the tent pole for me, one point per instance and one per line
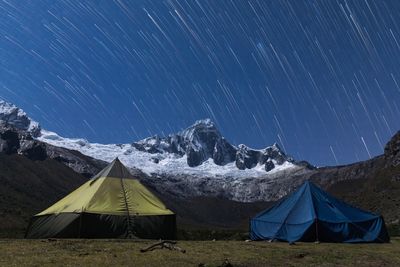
(128, 220)
(131, 234)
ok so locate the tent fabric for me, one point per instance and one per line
(311, 214)
(115, 169)
(89, 225)
(111, 204)
(108, 195)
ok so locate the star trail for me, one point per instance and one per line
(320, 78)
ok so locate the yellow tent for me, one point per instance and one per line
(113, 204)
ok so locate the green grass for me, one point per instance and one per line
(394, 229)
(19, 252)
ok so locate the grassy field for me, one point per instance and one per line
(19, 252)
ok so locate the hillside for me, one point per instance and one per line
(28, 187)
(34, 174)
(373, 184)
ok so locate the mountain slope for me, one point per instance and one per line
(28, 187)
(373, 184)
(17, 141)
(34, 174)
(18, 134)
(11, 115)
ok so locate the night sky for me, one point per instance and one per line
(320, 78)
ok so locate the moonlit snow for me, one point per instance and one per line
(169, 163)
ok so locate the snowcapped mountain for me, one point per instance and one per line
(199, 142)
(188, 164)
(198, 150)
(197, 161)
(14, 116)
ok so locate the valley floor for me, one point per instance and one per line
(19, 252)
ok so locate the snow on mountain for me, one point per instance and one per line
(197, 161)
(160, 162)
(198, 142)
(16, 117)
(199, 150)
(171, 174)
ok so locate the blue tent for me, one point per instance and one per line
(311, 214)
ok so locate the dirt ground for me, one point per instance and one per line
(19, 252)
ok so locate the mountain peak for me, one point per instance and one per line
(204, 122)
(392, 150)
(275, 146)
(16, 117)
(205, 125)
(202, 125)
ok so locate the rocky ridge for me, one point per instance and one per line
(17, 141)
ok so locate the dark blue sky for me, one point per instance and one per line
(321, 78)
